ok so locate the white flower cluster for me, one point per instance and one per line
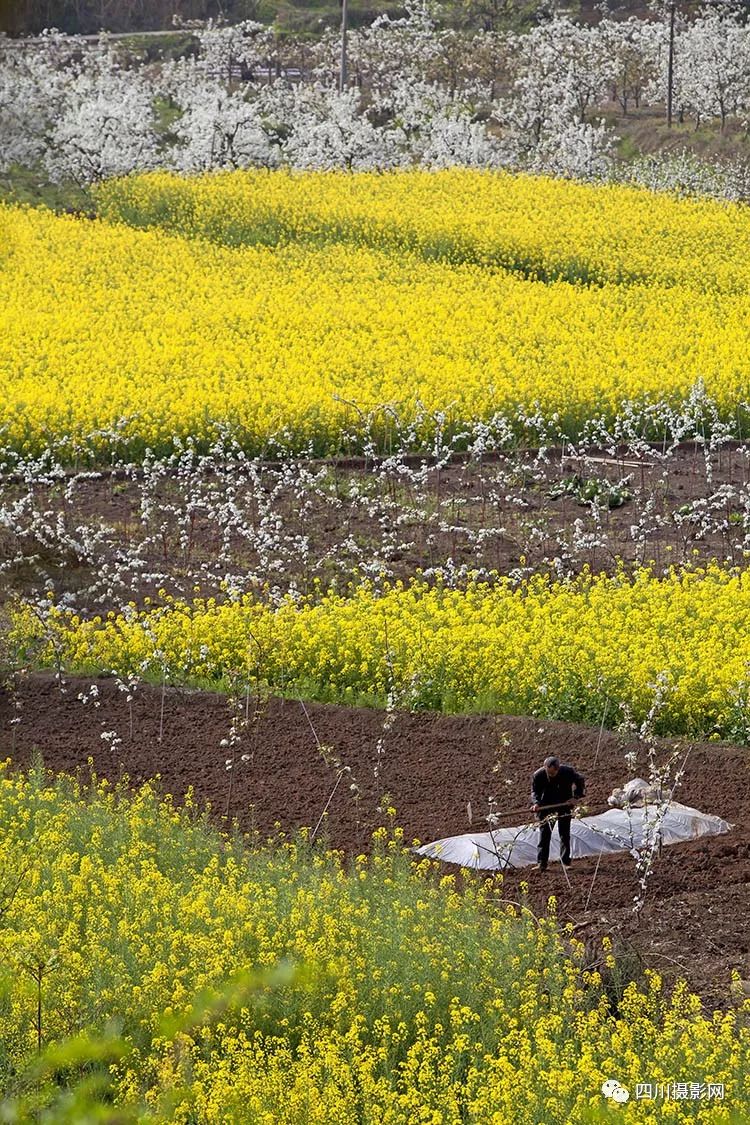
(412, 94)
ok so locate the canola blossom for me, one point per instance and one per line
(403, 999)
(543, 227)
(554, 649)
(120, 339)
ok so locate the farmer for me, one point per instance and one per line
(554, 791)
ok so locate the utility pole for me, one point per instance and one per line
(670, 64)
(342, 67)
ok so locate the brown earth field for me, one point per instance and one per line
(694, 923)
(513, 502)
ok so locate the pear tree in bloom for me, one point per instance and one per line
(328, 130)
(386, 53)
(30, 90)
(713, 65)
(570, 147)
(105, 126)
(33, 85)
(453, 139)
(75, 110)
(222, 128)
(222, 122)
(634, 48)
(492, 62)
(560, 60)
(226, 51)
(432, 129)
(560, 71)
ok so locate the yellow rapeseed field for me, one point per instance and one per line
(556, 228)
(550, 648)
(159, 336)
(404, 1000)
(303, 312)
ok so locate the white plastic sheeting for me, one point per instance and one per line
(617, 830)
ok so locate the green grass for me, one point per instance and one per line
(30, 187)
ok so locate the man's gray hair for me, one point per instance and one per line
(552, 762)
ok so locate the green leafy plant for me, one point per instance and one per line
(586, 490)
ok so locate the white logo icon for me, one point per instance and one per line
(612, 1089)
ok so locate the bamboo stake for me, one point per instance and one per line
(601, 731)
(596, 872)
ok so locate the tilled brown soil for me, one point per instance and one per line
(432, 767)
(325, 532)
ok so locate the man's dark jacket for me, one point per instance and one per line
(556, 790)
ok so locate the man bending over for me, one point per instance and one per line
(554, 791)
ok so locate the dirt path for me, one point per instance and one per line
(695, 921)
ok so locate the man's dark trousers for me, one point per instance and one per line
(548, 819)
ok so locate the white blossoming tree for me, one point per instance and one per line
(634, 48)
(75, 110)
(415, 93)
(105, 125)
(331, 131)
(560, 72)
(713, 65)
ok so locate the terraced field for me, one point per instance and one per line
(342, 501)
